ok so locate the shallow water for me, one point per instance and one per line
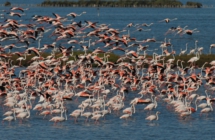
(169, 125)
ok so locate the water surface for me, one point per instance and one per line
(169, 125)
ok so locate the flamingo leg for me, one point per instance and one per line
(76, 99)
(96, 122)
(86, 120)
(75, 120)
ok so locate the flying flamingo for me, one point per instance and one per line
(75, 15)
(147, 25)
(190, 32)
(167, 20)
(18, 8)
(15, 14)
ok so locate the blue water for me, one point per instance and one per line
(169, 125)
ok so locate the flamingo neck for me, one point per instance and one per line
(25, 57)
(65, 115)
(196, 104)
(157, 116)
(211, 107)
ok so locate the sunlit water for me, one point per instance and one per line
(169, 125)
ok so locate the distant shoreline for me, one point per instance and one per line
(101, 6)
(122, 3)
(114, 4)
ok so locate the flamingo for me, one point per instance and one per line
(147, 25)
(129, 110)
(184, 51)
(207, 109)
(74, 15)
(200, 49)
(10, 118)
(59, 118)
(23, 115)
(172, 59)
(167, 20)
(185, 114)
(200, 98)
(126, 116)
(151, 105)
(153, 117)
(8, 113)
(194, 59)
(15, 14)
(86, 114)
(76, 114)
(193, 50)
(212, 46)
(20, 59)
(18, 8)
(96, 117)
(190, 32)
(203, 105)
(46, 112)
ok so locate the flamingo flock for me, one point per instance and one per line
(90, 82)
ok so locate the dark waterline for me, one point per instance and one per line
(204, 2)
